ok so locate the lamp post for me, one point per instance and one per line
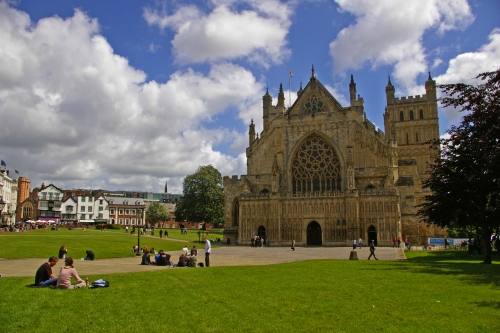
(139, 215)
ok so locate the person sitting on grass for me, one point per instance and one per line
(183, 261)
(62, 252)
(163, 259)
(90, 255)
(194, 251)
(146, 259)
(44, 276)
(65, 274)
(185, 250)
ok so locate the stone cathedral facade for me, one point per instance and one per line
(322, 174)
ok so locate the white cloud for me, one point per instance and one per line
(75, 113)
(226, 33)
(390, 33)
(465, 67)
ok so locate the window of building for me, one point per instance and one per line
(121, 221)
(407, 139)
(127, 212)
(44, 196)
(83, 199)
(101, 208)
(51, 195)
(314, 105)
(133, 211)
(57, 205)
(82, 216)
(338, 222)
(401, 116)
(411, 115)
(100, 202)
(82, 208)
(416, 137)
(89, 209)
(56, 196)
(127, 221)
(421, 114)
(315, 167)
(112, 211)
(100, 216)
(344, 222)
(43, 204)
(121, 211)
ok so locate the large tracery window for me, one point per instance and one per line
(314, 105)
(316, 167)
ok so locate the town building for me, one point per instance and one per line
(126, 211)
(8, 196)
(50, 199)
(322, 174)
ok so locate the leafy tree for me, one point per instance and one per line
(157, 212)
(203, 197)
(465, 179)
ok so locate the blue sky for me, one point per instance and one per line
(130, 94)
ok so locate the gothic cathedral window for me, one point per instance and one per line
(314, 105)
(401, 116)
(315, 167)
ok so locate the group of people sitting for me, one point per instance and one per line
(186, 259)
(45, 278)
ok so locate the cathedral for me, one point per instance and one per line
(322, 174)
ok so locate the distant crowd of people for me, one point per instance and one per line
(187, 258)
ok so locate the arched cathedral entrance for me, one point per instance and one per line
(372, 235)
(314, 234)
(261, 231)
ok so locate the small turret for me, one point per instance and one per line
(281, 97)
(352, 90)
(267, 102)
(430, 88)
(389, 92)
(251, 134)
(300, 90)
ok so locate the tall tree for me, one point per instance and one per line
(465, 179)
(203, 198)
(157, 213)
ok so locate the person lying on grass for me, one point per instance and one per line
(65, 274)
(44, 276)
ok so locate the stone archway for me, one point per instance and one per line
(314, 236)
(372, 234)
(261, 231)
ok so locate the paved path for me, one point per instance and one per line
(222, 256)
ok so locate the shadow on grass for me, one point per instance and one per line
(456, 263)
(494, 305)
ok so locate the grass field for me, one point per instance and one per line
(437, 291)
(110, 244)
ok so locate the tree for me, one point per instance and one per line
(203, 197)
(157, 212)
(465, 179)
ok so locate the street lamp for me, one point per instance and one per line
(139, 215)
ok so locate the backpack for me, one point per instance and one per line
(99, 284)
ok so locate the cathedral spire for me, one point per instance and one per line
(281, 97)
(312, 74)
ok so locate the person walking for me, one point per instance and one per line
(372, 250)
(293, 245)
(161, 233)
(360, 243)
(208, 250)
(354, 244)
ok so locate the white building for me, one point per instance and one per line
(50, 199)
(69, 210)
(8, 193)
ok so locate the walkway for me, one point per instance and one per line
(222, 256)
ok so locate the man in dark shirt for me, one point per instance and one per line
(90, 255)
(44, 276)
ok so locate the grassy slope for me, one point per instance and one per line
(432, 292)
(109, 244)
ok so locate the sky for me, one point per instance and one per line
(127, 95)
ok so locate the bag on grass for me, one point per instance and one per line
(99, 284)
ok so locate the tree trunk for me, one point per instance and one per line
(486, 244)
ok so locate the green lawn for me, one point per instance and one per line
(436, 291)
(109, 244)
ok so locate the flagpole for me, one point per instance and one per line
(289, 91)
